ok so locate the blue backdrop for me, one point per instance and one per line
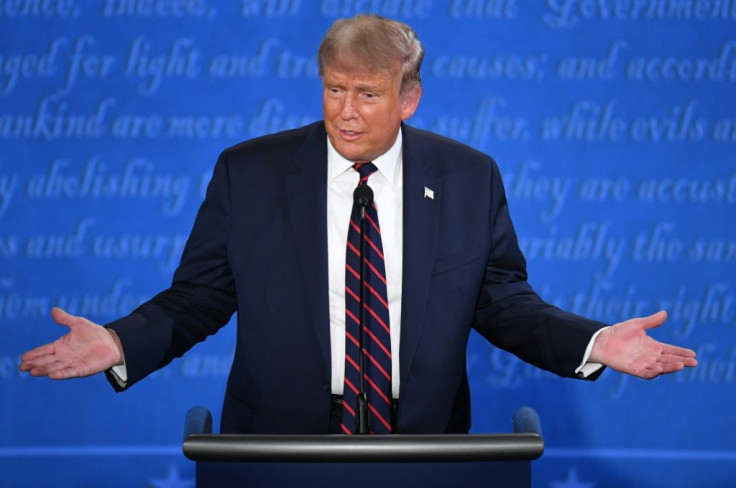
(613, 122)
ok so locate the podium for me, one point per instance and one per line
(488, 460)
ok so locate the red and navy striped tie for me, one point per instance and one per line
(377, 346)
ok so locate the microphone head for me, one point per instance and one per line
(363, 195)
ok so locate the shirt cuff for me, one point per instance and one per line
(586, 369)
(120, 373)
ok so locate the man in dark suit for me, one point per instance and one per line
(269, 243)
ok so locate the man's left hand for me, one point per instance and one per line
(627, 348)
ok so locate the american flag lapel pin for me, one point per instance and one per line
(428, 193)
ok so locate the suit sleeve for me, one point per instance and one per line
(201, 298)
(512, 316)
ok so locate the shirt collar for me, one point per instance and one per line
(388, 163)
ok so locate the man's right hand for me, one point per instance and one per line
(87, 349)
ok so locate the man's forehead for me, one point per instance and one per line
(360, 74)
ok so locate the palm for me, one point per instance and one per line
(627, 348)
(85, 350)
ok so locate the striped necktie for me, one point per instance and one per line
(377, 337)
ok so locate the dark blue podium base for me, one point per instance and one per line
(492, 474)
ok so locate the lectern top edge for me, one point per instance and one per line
(340, 448)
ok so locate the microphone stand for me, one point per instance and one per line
(363, 196)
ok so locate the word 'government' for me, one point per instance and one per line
(568, 13)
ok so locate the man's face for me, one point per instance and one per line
(363, 111)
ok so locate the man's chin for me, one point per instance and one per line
(354, 154)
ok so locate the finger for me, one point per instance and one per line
(65, 373)
(672, 367)
(677, 351)
(38, 371)
(671, 358)
(42, 361)
(46, 369)
(38, 352)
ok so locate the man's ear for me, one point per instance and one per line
(410, 101)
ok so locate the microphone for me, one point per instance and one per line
(362, 196)
(526, 421)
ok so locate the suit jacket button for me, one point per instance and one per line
(325, 386)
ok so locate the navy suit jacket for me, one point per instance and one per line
(259, 247)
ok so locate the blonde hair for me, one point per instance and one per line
(371, 42)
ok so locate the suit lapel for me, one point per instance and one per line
(306, 190)
(421, 230)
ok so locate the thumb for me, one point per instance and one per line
(61, 317)
(654, 320)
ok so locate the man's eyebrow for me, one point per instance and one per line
(367, 86)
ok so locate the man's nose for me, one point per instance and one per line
(349, 110)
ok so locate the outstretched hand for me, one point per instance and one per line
(627, 348)
(85, 350)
